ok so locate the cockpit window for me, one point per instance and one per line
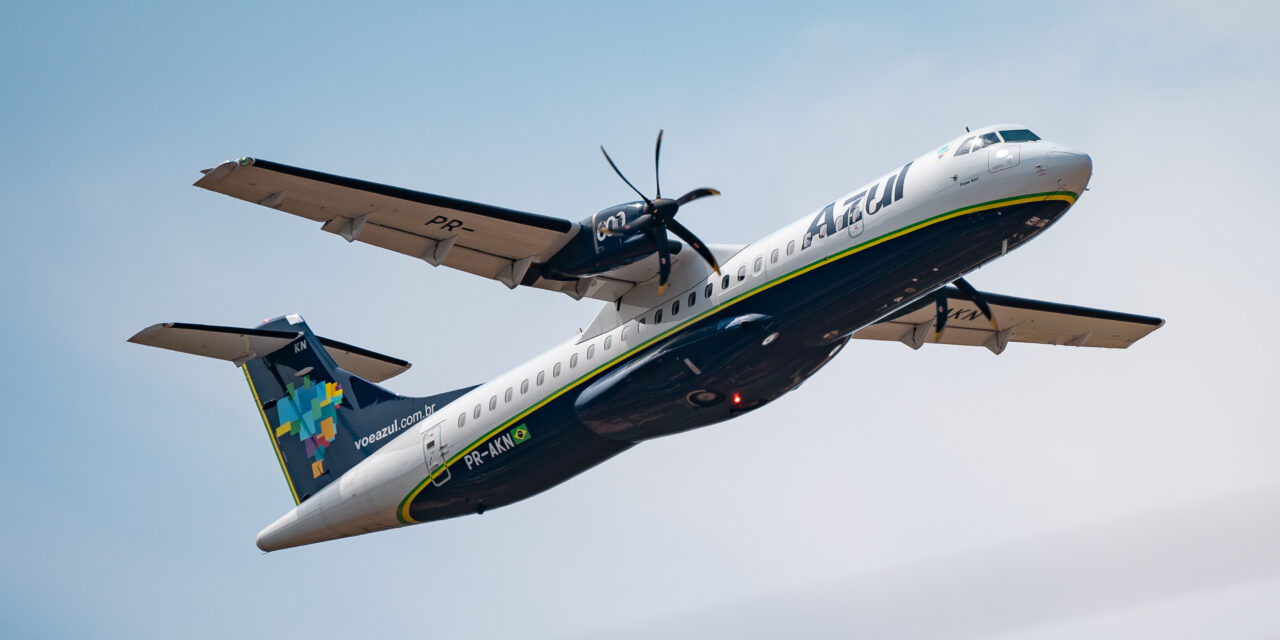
(977, 142)
(1019, 135)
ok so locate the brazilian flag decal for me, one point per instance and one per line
(520, 434)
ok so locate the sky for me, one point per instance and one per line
(1050, 492)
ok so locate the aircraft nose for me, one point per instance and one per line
(1072, 166)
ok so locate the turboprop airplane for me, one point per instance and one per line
(687, 338)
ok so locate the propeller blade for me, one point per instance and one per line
(657, 150)
(658, 233)
(695, 194)
(685, 234)
(978, 299)
(639, 223)
(940, 301)
(624, 178)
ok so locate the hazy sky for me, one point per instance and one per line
(1047, 493)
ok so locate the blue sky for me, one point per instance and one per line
(1050, 492)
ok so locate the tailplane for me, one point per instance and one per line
(317, 397)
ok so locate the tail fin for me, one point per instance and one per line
(322, 418)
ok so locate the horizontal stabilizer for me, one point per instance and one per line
(1016, 320)
(239, 345)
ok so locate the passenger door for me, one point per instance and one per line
(433, 451)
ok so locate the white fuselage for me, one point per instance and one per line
(375, 494)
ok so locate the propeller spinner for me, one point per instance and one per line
(659, 216)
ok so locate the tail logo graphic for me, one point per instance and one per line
(310, 414)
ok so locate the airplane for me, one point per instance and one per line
(697, 336)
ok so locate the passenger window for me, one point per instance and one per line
(791, 247)
(706, 291)
(640, 323)
(724, 283)
(493, 403)
(475, 413)
(808, 240)
(591, 352)
(524, 386)
(742, 273)
(462, 419)
(506, 397)
(675, 308)
(573, 361)
(657, 316)
(542, 377)
(773, 257)
(608, 342)
(759, 265)
(626, 334)
(1019, 135)
(555, 371)
(693, 297)
(964, 146)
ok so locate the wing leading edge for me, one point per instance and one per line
(492, 242)
(1017, 320)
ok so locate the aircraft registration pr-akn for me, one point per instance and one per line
(687, 338)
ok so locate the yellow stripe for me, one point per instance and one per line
(1065, 196)
(274, 445)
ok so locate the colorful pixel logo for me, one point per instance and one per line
(310, 413)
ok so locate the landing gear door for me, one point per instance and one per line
(433, 451)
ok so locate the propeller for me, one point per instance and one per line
(659, 216)
(966, 290)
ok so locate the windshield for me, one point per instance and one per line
(1019, 135)
(977, 142)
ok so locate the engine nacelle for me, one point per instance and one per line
(605, 244)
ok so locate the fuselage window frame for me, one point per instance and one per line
(510, 393)
(742, 273)
(493, 402)
(524, 386)
(542, 377)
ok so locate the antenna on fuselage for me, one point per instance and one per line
(966, 129)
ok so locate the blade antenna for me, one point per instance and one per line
(657, 151)
(624, 178)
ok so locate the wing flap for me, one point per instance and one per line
(1023, 319)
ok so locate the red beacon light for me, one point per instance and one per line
(737, 399)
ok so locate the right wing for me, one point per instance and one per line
(1017, 320)
(492, 242)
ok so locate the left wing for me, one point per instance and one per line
(491, 242)
(1017, 320)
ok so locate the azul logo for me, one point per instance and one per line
(498, 446)
(866, 202)
(309, 413)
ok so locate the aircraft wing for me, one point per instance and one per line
(491, 242)
(1017, 320)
